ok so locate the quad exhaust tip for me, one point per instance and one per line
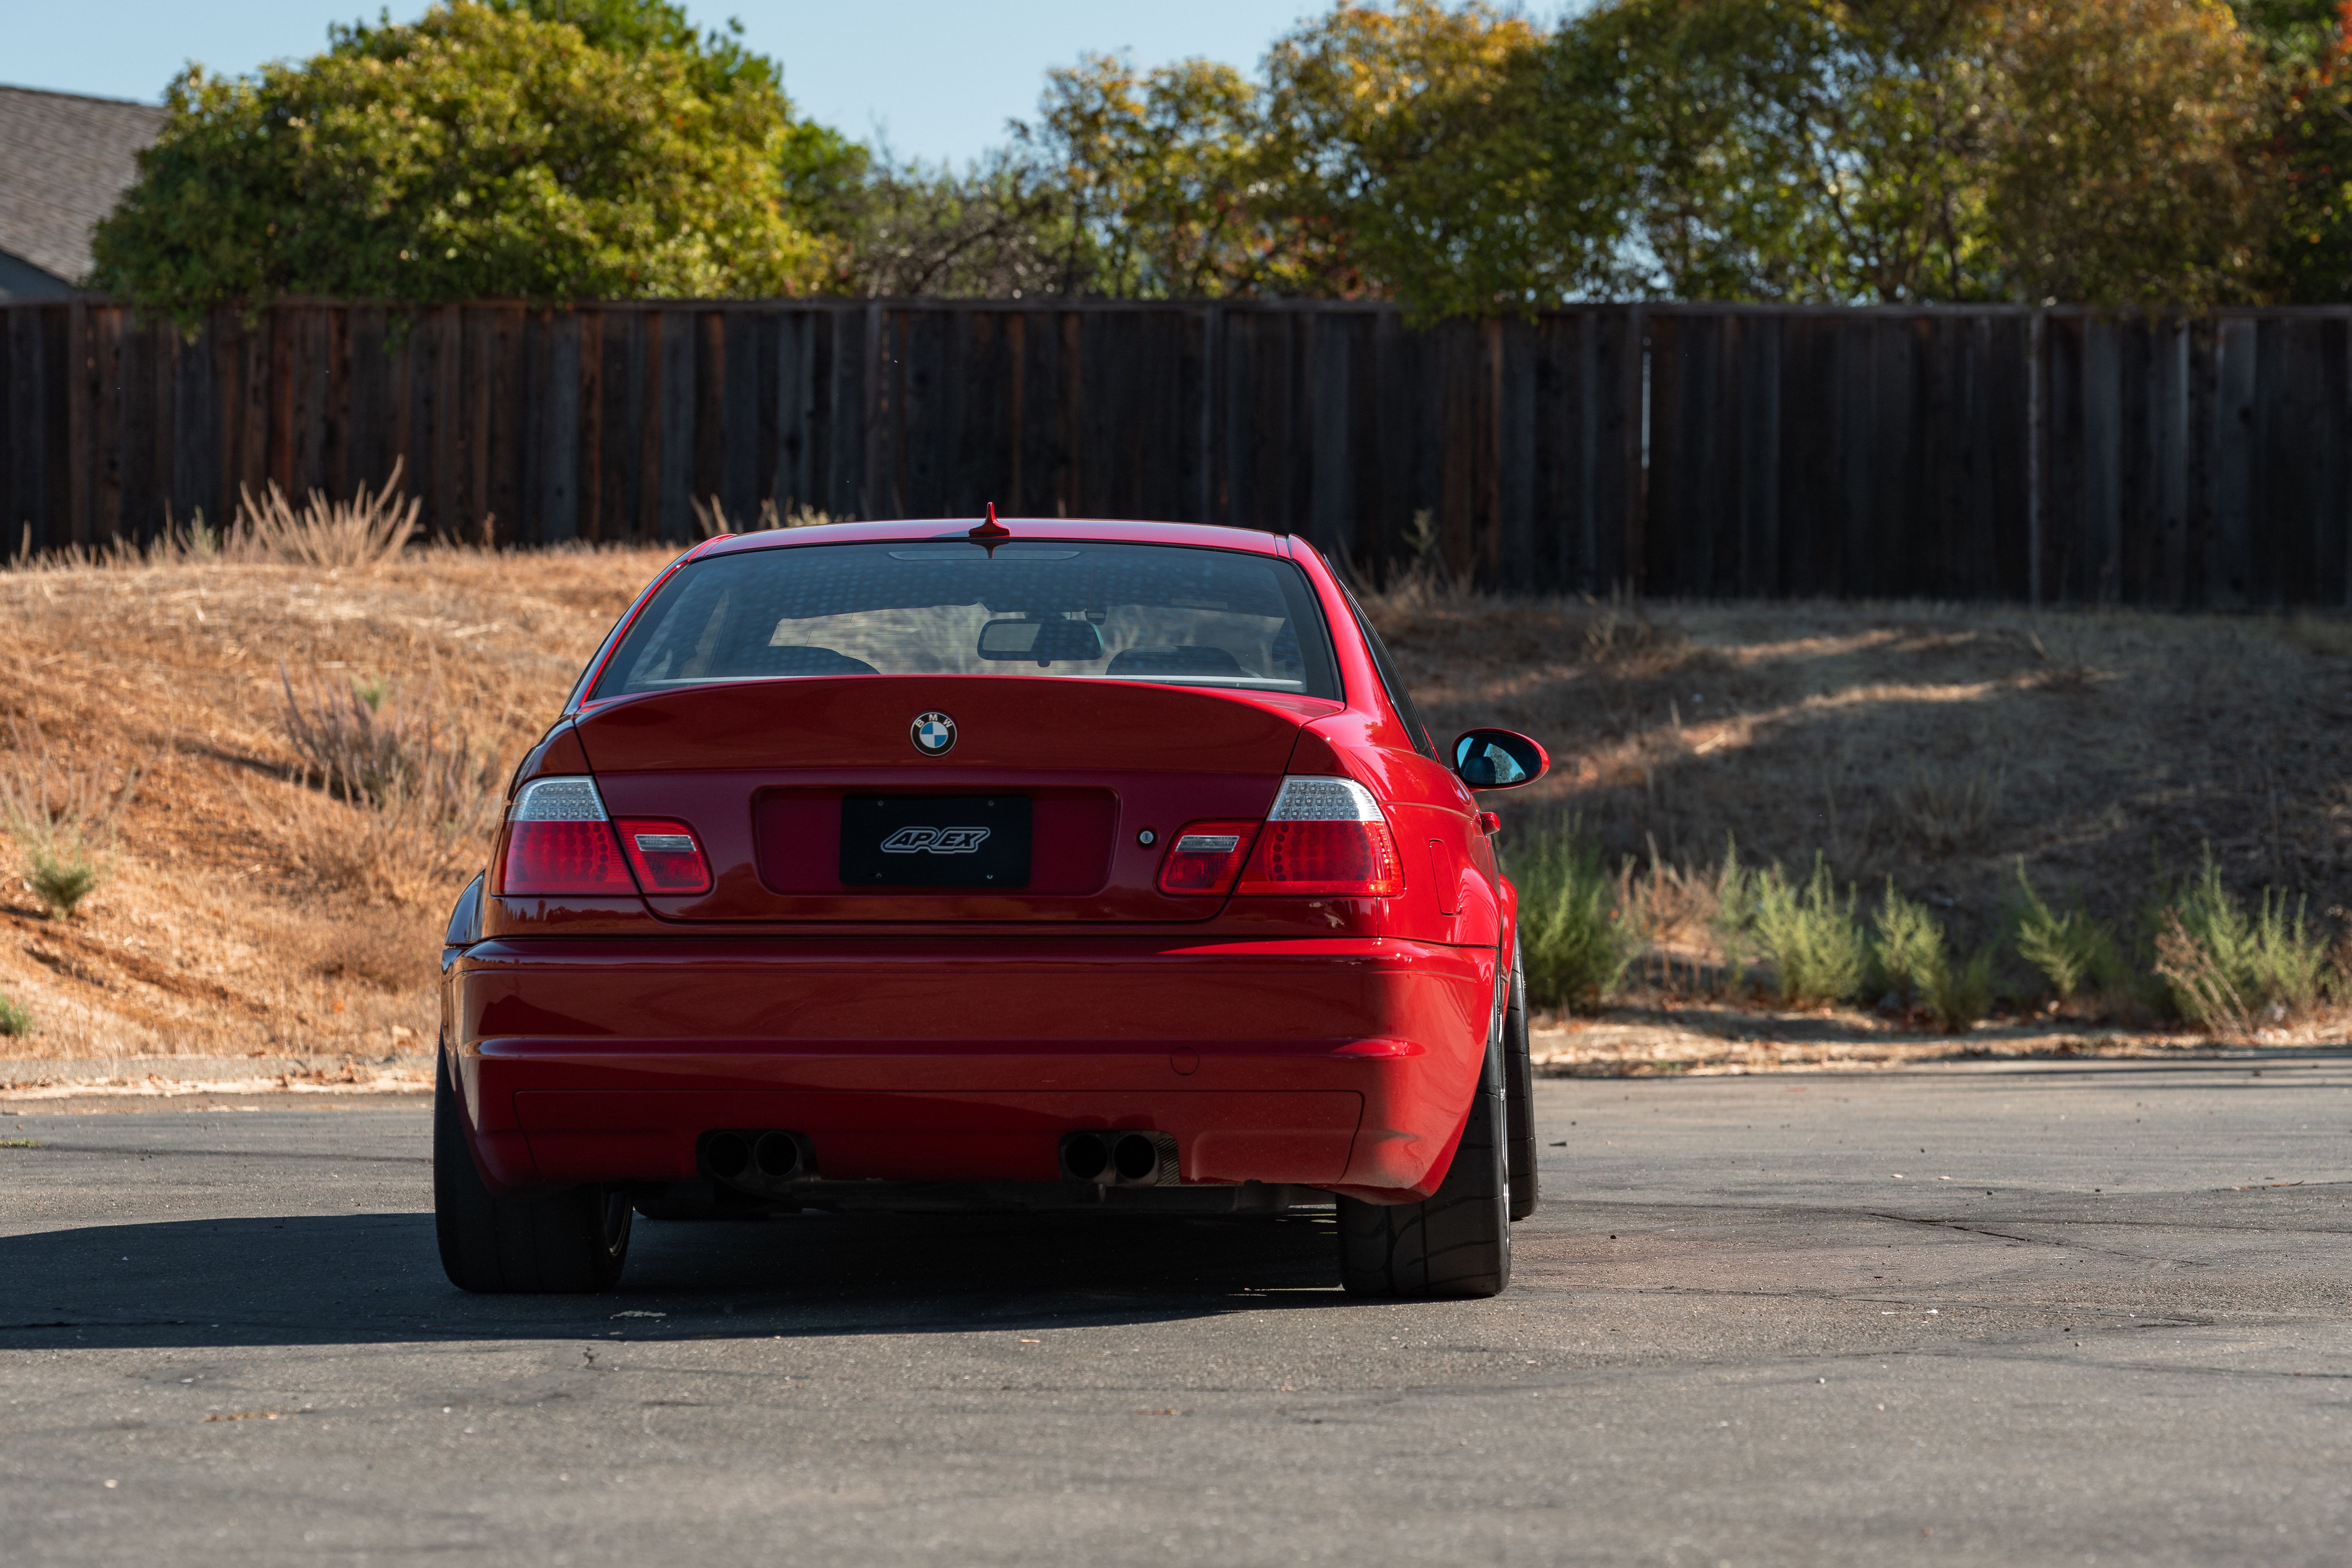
(1116, 1158)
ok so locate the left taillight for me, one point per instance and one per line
(1206, 858)
(559, 840)
(1325, 837)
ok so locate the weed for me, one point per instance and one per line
(1946, 815)
(418, 795)
(63, 818)
(1426, 542)
(1908, 956)
(1734, 915)
(16, 1021)
(2067, 950)
(1817, 950)
(710, 517)
(400, 848)
(393, 951)
(366, 531)
(1670, 906)
(2069, 675)
(2222, 967)
(1907, 948)
(365, 744)
(1575, 946)
(1961, 995)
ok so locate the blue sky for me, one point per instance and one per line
(940, 76)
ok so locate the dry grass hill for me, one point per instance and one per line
(255, 908)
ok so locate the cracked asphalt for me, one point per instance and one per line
(2049, 1314)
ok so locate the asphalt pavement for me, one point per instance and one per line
(2056, 1314)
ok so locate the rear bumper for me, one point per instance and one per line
(1347, 1064)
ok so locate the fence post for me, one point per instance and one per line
(2035, 394)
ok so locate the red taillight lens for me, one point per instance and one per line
(665, 854)
(563, 857)
(558, 841)
(1206, 857)
(1325, 837)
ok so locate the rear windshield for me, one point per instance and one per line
(1162, 613)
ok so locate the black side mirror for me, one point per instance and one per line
(1498, 759)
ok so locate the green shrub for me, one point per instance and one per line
(1732, 924)
(2067, 950)
(1575, 946)
(2220, 966)
(1959, 995)
(63, 867)
(1909, 957)
(15, 1021)
(1907, 948)
(63, 818)
(1810, 934)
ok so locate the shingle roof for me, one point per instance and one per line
(63, 162)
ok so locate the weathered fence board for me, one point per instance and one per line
(1664, 449)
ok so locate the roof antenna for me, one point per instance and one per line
(991, 533)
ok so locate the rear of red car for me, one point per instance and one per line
(906, 864)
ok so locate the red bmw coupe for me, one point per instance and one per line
(1024, 866)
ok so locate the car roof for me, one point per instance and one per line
(1107, 530)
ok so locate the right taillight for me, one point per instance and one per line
(560, 841)
(665, 854)
(1325, 836)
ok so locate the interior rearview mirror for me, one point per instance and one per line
(1043, 641)
(1498, 759)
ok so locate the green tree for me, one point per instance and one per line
(2129, 159)
(1783, 149)
(2095, 151)
(1401, 143)
(1155, 172)
(2307, 51)
(477, 153)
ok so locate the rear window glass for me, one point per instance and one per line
(1171, 613)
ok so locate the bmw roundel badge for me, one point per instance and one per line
(934, 734)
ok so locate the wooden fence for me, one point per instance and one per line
(1699, 451)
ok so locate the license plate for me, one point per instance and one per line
(935, 841)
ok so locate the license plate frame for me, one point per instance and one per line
(969, 843)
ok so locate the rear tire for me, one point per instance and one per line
(1519, 1061)
(1455, 1242)
(574, 1241)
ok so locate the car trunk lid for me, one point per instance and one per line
(773, 773)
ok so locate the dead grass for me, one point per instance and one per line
(1937, 746)
(251, 911)
(1927, 744)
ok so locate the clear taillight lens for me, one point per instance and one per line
(665, 854)
(560, 841)
(1325, 836)
(1206, 857)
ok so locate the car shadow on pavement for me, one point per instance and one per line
(376, 1278)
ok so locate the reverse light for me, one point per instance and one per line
(560, 841)
(1206, 857)
(665, 854)
(1324, 836)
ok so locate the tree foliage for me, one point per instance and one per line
(2307, 51)
(477, 153)
(1451, 154)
